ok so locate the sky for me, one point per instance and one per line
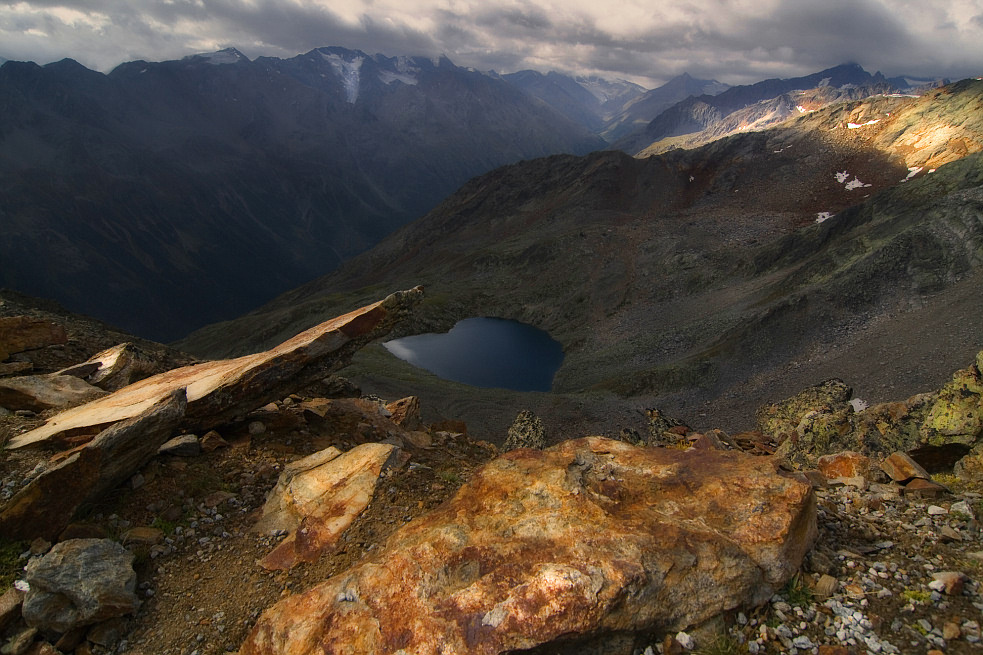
(646, 41)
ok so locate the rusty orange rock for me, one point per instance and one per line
(579, 542)
(901, 468)
(318, 497)
(847, 464)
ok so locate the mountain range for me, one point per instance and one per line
(164, 196)
(713, 277)
(697, 113)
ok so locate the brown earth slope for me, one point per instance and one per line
(697, 280)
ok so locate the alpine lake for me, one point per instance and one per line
(486, 352)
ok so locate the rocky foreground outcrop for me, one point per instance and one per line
(590, 541)
(118, 433)
(940, 428)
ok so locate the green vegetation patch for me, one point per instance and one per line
(11, 565)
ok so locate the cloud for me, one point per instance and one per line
(736, 41)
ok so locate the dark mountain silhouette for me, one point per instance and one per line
(164, 196)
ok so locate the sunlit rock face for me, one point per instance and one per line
(591, 537)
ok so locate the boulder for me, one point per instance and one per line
(10, 607)
(406, 413)
(317, 498)
(659, 426)
(116, 367)
(15, 368)
(212, 440)
(587, 542)
(221, 390)
(46, 505)
(80, 582)
(20, 333)
(829, 397)
(362, 419)
(901, 468)
(40, 392)
(940, 426)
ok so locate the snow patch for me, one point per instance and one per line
(855, 183)
(803, 110)
(912, 172)
(349, 72)
(388, 77)
(823, 216)
(854, 126)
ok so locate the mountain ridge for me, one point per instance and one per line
(235, 178)
(698, 113)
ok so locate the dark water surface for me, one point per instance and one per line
(486, 352)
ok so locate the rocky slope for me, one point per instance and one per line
(191, 191)
(701, 277)
(693, 544)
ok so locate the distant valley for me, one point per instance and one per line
(705, 281)
(165, 196)
(699, 247)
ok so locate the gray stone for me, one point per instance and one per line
(40, 392)
(80, 582)
(185, 445)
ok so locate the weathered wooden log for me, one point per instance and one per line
(220, 390)
(47, 504)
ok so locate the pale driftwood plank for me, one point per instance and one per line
(219, 390)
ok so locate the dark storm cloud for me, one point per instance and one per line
(736, 41)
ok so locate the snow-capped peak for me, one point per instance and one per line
(348, 71)
(226, 56)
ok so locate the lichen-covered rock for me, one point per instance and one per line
(819, 421)
(783, 418)
(80, 582)
(659, 426)
(954, 416)
(580, 544)
(526, 431)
